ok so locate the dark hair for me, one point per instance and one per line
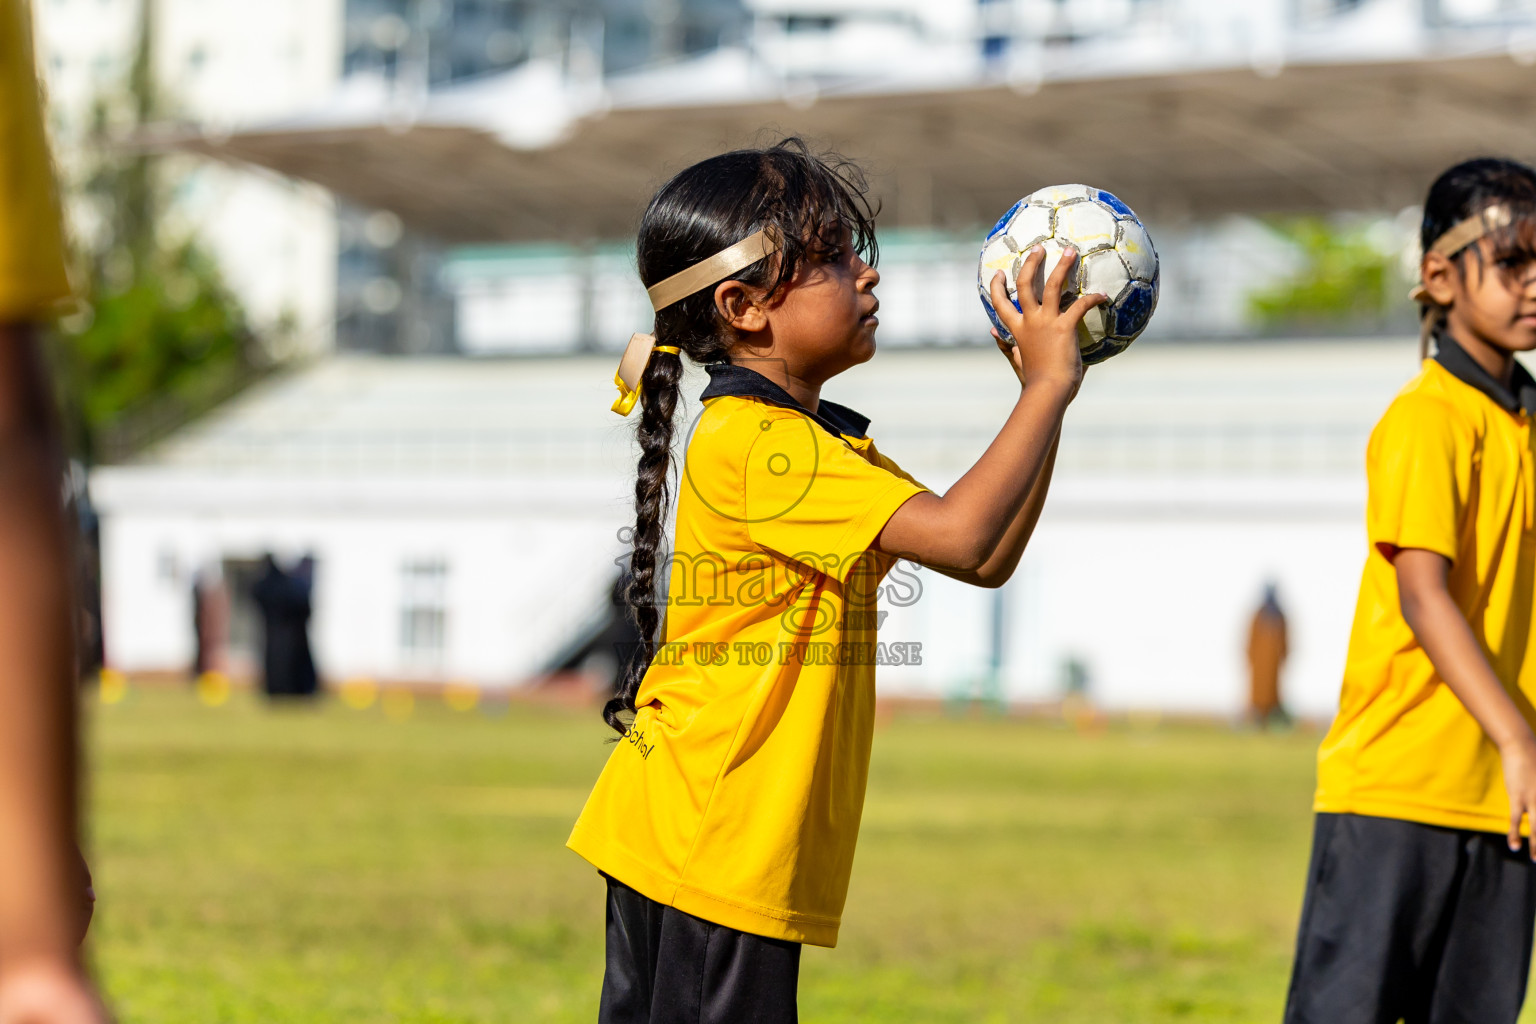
(806, 202)
(1468, 189)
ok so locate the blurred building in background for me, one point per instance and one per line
(216, 63)
(391, 296)
(490, 160)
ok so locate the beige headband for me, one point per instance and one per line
(1462, 235)
(717, 268)
(637, 354)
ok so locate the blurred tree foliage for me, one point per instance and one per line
(159, 338)
(149, 352)
(1346, 278)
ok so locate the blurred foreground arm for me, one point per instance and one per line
(42, 903)
(42, 883)
(1443, 632)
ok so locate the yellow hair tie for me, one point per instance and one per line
(637, 356)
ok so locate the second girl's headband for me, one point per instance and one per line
(1461, 235)
(637, 354)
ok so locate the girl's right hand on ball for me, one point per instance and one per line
(1044, 334)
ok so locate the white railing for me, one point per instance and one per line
(1133, 449)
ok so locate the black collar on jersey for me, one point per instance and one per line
(731, 379)
(1519, 396)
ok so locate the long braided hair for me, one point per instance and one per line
(806, 202)
(1464, 191)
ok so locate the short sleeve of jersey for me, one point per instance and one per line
(1419, 469)
(32, 276)
(810, 498)
(890, 465)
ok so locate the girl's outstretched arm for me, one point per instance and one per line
(999, 568)
(965, 531)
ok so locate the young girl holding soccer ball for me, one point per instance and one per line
(725, 821)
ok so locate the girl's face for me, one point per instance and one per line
(823, 320)
(1491, 296)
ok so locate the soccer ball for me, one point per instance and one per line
(1114, 256)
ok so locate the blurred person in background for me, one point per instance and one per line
(210, 619)
(201, 649)
(288, 666)
(85, 528)
(1268, 646)
(44, 904)
(306, 680)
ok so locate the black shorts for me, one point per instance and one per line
(667, 967)
(1411, 922)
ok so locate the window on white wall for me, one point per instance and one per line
(423, 610)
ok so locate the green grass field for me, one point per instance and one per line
(308, 865)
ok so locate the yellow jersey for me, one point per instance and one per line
(736, 795)
(1449, 469)
(32, 277)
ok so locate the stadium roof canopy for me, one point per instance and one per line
(529, 155)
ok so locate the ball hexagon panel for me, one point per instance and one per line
(1134, 310)
(1031, 225)
(998, 255)
(1088, 225)
(1135, 246)
(1110, 200)
(1105, 272)
(1095, 325)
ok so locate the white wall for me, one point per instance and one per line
(520, 580)
(1155, 601)
(1153, 596)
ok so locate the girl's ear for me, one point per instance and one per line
(1440, 278)
(739, 307)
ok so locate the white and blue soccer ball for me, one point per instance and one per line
(1115, 256)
